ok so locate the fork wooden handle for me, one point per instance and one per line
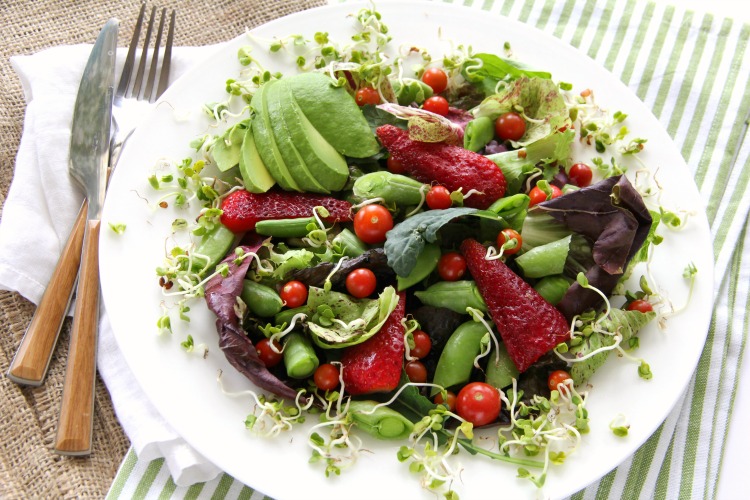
(77, 411)
(31, 362)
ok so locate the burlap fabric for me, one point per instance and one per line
(28, 416)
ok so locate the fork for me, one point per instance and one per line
(31, 361)
(125, 120)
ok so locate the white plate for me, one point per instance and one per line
(183, 387)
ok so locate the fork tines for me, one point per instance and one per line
(155, 81)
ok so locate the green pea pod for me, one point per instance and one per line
(553, 288)
(478, 133)
(262, 300)
(299, 356)
(214, 246)
(383, 422)
(512, 209)
(284, 228)
(453, 295)
(545, 260)
(500, 369)
(350, 244)
(457, 359)
(426, 263)
(286, 315)
(393, 188)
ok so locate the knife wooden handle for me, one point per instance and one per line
(76, 414)
(30, 364)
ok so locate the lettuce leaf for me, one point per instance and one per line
(486, 70)
(425, 126)
(339, 320)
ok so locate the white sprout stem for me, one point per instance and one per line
(494, 254)
(477, 316)
(472, 192)
(369, 201)
(618, 340)
(336, 268)
(398, 393)
(423, 196)
(279, 335)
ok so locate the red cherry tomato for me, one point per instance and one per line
(366, 95)
(505, 236)
(641, 305)
(438, 198)
(479, 403)
(436, 79)
(451, 403)
(556, 378)
(416, 371)
(580, 174)
(451, 266)
(372, 222)
(536, 195)
(326, 377)
(510, 126)
(395, 166)
(267, 354)
(361, 282)
(422, 344)
(294, 294)
(436, 104)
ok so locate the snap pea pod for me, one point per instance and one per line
(382, 422)
(213, 247)
(457, 359)
(553, 288)
(350, 244)
(453, 295)
(262, 300)
(500, 369)
(545, 260)
(284, 228)
(300, 359)
(426, 263)
(393, 188)
(478, 133)
(286, 315)
(512, 209)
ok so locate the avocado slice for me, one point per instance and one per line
(265, 142)
(335, 114)
(255, 175)
(327, 166)
(226, 150)
(286, 141)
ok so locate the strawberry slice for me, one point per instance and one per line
(529, 325)
(243, 209)
(451, 166)
(375, 365)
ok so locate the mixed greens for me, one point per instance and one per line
(415, 256)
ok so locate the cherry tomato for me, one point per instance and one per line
(438, 198)
(326, 377)
(438, 400)
(641, 305)
(436, 79)
(422, 344)
(536, 195)
(510, 126)
(294, 294)
(366, 95)
(451, 266)
(580, 174)
(361, 282)
(395, 166)
(479, 403)
(505, 236)
(372, 222)
(436, 104)
(416, 371)
(556, 378)
(267, 355)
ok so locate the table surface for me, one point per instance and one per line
(28, 415)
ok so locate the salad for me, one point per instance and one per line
(415, 257)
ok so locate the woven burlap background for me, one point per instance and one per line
(28, 416)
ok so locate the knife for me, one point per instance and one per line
(89, 154)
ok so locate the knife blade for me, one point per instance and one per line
(89, 154)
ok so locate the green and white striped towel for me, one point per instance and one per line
(692, 70)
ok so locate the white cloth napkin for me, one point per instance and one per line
(36, 219)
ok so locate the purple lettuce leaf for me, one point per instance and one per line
(221, 298)
(612, 215)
